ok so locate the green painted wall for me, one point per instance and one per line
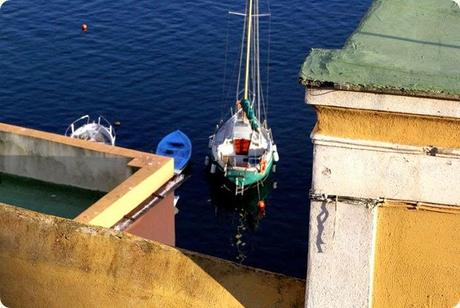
(39, 196)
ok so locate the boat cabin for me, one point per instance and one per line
(241, 146)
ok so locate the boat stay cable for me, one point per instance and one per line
(248, 49)
(225, 69)
(241, 56)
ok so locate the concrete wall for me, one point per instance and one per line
(369, 169)
(129, 177)
(339, 254)
(61, 163)
(46, 261)
(387, 167)
(158, 223)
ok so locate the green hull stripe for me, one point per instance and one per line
(249, 177)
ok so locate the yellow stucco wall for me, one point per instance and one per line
(47, 261)
(111, 208)
(417, 257)
(388, 127)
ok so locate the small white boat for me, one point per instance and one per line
(100, 131)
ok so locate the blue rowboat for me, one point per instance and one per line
(178, 146)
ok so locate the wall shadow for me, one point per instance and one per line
(321, 219)
(250, 286)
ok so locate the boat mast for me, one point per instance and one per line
(248, 49)
(257, 87)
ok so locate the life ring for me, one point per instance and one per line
(263, 165)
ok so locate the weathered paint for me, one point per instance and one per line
(388, 127)
(417, 257)
(67, 161)
(47, 261)
(366, 169)
(46, 159)
(368, 149)
(383, 102)
(339, 254)
(73, 142)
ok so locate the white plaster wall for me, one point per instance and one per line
(339, 255)
(61, 164)
(375, 172)
(383, 102)
(341, 234)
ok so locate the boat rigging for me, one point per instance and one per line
(242, 148)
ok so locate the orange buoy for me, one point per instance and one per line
(260, 209)
(261, 204)
(84, 27)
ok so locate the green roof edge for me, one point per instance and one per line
(315, 72)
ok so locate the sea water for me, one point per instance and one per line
(158, 66)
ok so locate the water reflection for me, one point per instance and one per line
(243, 213)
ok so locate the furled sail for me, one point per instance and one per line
(246, 105)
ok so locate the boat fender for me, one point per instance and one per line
(263, 165)
(206, 161)
(212, 170)
(276, 156)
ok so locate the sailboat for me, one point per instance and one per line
(242, 148)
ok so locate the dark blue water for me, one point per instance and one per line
(156, 66)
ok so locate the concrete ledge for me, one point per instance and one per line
(92, 146)
(68, 161)
(362, 172)
(128, 176)
(47, 261)
(383, 102)
(370, 145)
(124, 198)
